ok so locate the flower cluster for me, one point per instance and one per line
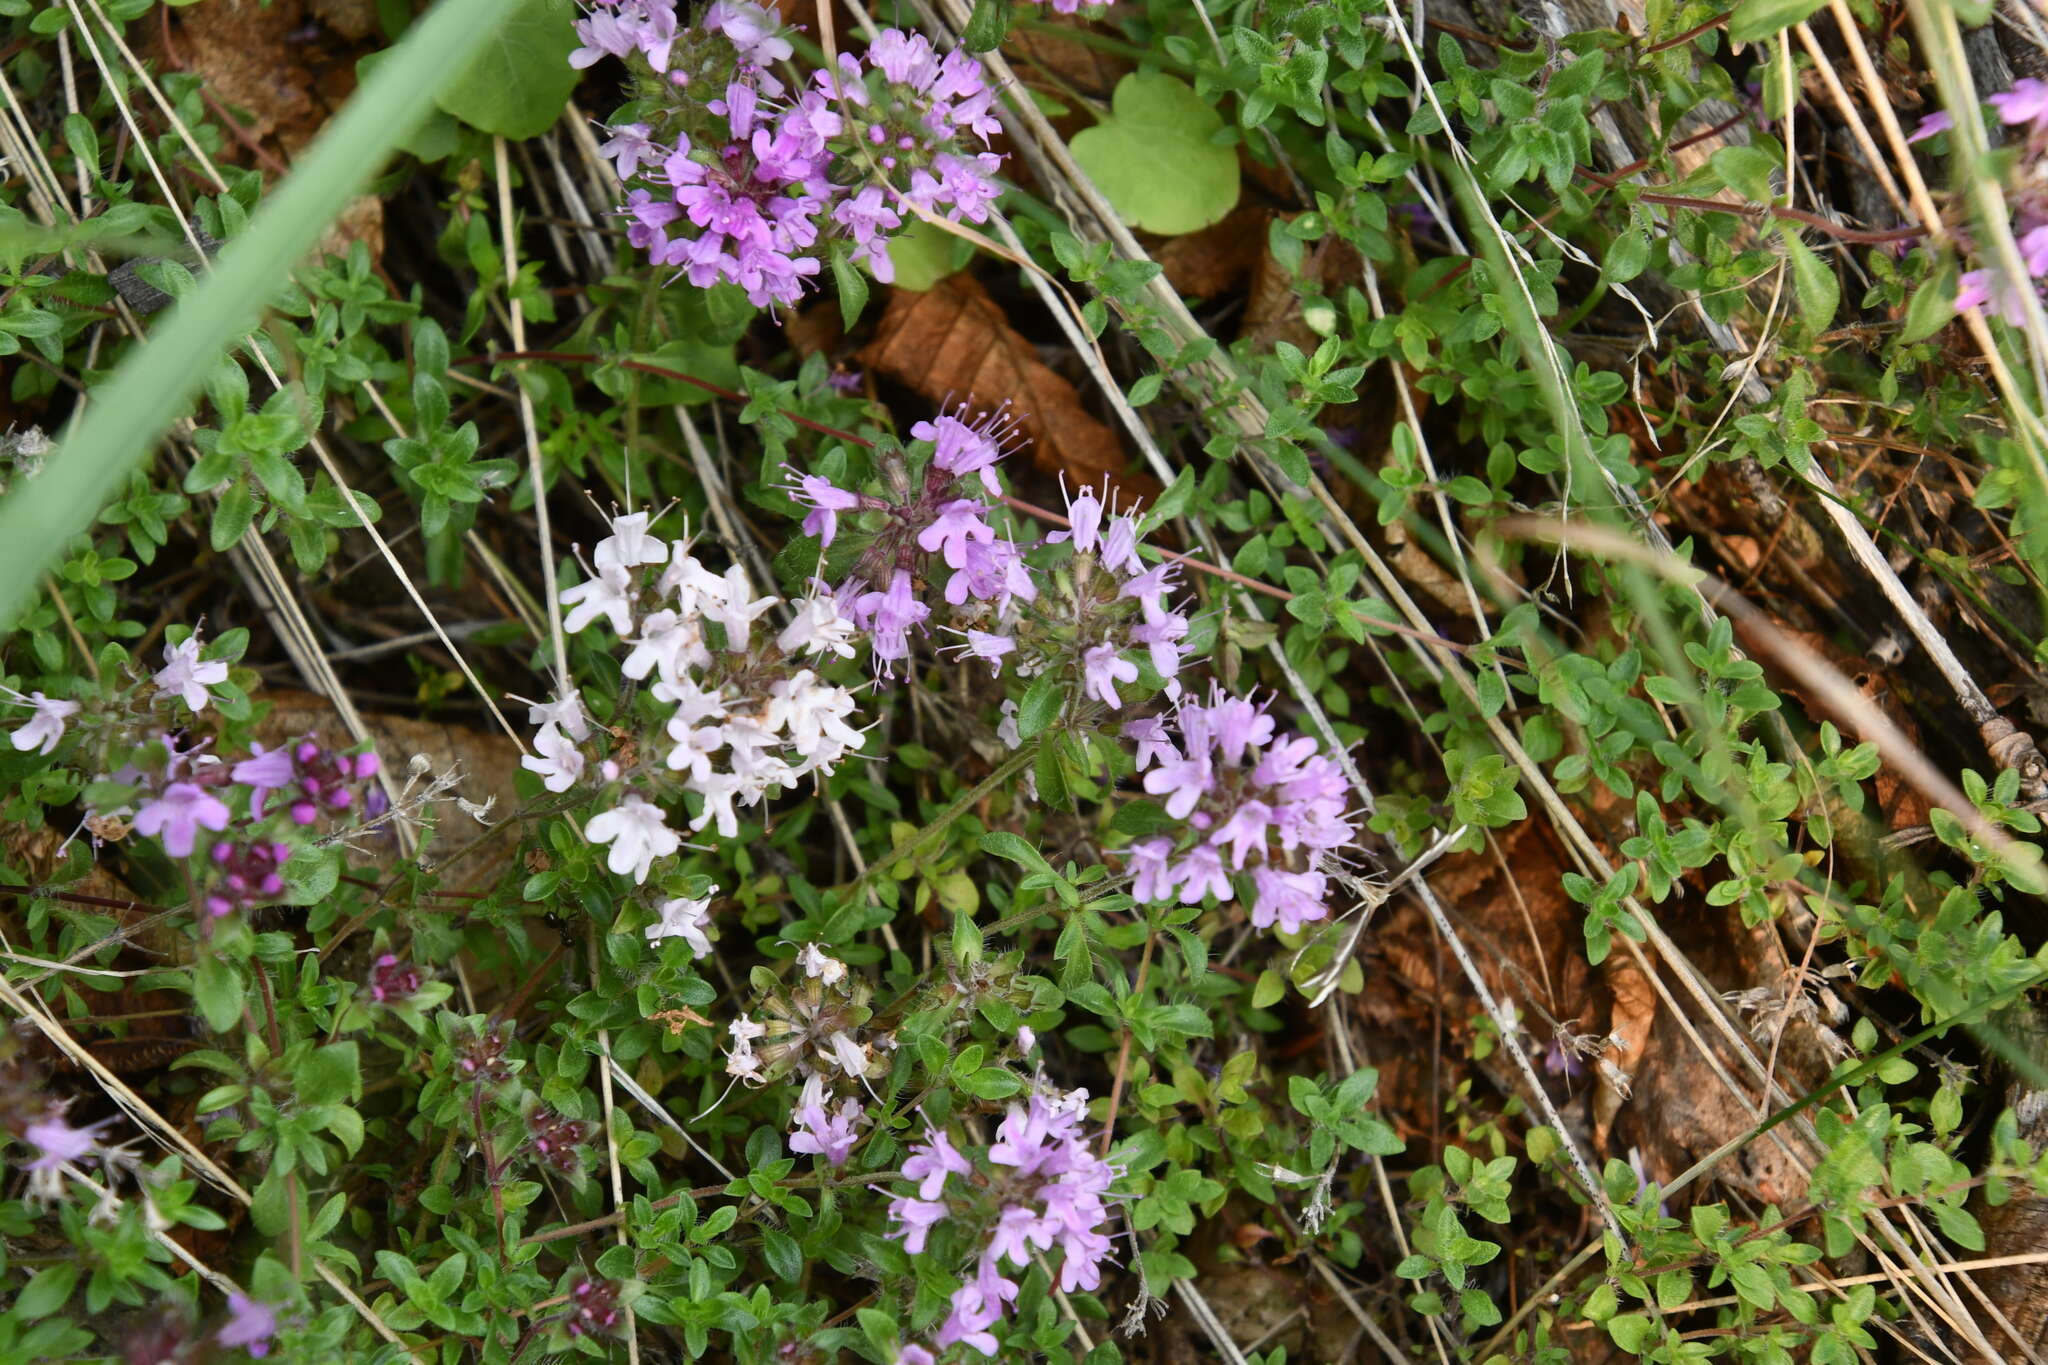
(1083, 619)
(1040, 1188)
(594, 1307)
(748, 714)
(192, 793)
(1256, 803)
(816, 1029)
(922, 519)
(2025, 107)
(1103, 605)
(185, 677)
(734, 179)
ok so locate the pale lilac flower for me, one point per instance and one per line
(1288, 900)
(178, 815)
(737, 610)
(1989, 290)
(556, 759)
(957, 524)
(46, 726)
(1153, 744)
(2033, 246)
(638, 834)
(187, 676)
(826, 501)
(719, 790)
(740, 1060)
(849, 1056)
(264, 772)
(669, 643)
(962, 449)
(751, 29)
(58, 1143)
(931, 1160)
(1150, 860)
(891, 614)
(915, 1219)
(913, 1354)
(251, 1324)
(630, 148)
(973, 1314)
(686, 919)
(983, 645)
(1103, 668)
(817, 626)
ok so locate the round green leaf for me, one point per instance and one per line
(1155, 157)
(519, 83)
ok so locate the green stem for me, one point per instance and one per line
(909, 852)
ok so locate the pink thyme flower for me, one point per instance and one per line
(829, 1135)
(251, 1324)
(185, 675)
(179, 814)
(2026, 102)
(1939, 121)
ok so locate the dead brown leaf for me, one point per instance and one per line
(1204, 264)
(952, 343)
(1274, 310)
(1048, 61)
(487, 759)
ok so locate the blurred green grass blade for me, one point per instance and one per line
(126, 416)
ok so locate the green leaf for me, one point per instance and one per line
(231, 517)
(1156, 159)
(332, 1075)
(782, 1253)
(853, 288)
(921, 255)
(1631, 1331)
(1040, 707)
(155, 384)
(1932, 307)
(1014, 849)
(517, 85)
(1268, 990)
(217, 990)
(988, 25)
(1747, 170)
(1754, 20)
(1813, 282)
(47, 1292)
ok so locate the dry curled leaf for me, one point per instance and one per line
(1631, 1015)
(952, 343)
